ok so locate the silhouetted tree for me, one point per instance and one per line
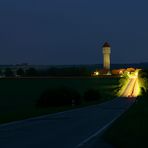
(59, 97)
(53, 71)
(70, 71)
(143, 73)
(20, 72)
(8, 72)
(92, 95)
(1, 73)
(31, 72)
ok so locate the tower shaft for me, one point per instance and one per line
(106, 61)
(106, 57)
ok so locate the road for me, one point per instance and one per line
(68, 129)
(132, 88)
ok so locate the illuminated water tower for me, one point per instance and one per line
(106, 56)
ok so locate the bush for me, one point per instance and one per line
(59, 97)
(144, 92)
(20, 72)
(8, 72)
(31, 72)
(92, 95)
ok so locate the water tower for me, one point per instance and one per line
(106, 56)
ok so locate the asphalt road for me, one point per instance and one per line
(69, 129)
(132, 88)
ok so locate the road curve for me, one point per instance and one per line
(66, 129)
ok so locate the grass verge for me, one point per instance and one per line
(131, 129)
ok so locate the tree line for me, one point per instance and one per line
(51, 72)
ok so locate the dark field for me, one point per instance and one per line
(19, 96)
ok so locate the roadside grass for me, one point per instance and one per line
(19, 96)
(131, 129)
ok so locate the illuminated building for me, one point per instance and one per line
(106, 56)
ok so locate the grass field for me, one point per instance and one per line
(131, 130)
(19, 96)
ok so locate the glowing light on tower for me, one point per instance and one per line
(106, 56)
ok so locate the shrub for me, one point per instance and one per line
(91, 95)
(59, 97)
(8, 72)
(20, 72)
(31, 72)
(144, 92)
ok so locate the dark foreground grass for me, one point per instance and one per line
(18, 97)
(131, 130)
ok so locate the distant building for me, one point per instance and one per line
(118, 71)
(131, 69)
(122, 71)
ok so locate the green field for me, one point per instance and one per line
(19, 96)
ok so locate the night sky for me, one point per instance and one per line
(72, 31)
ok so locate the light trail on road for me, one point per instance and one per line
(132, 88)
(136, 89)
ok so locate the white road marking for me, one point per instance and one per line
(99, 131)
(49, 115)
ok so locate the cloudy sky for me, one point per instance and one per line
(72, 31)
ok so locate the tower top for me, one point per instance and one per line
(106, 44)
